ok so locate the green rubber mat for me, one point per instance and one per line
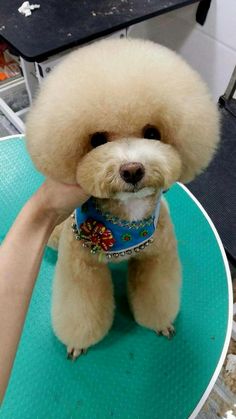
(132, 373)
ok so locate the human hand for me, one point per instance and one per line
(57, 200)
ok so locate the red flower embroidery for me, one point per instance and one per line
(96, 235)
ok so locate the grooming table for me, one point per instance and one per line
(132, 373)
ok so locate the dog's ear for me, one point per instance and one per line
(55, 133)
(184, 110)
(198, 133)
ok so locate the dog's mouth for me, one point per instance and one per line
(136, 192)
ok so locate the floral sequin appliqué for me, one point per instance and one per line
(96, 235)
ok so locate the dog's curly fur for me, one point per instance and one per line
(120, 87)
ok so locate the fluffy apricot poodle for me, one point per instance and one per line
(125, 119)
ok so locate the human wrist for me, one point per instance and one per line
(53, 202)
(41, 213)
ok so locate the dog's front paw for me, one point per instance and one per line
(168, 332)
(74, 353)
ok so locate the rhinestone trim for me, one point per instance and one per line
(110, 255)
(123, 223)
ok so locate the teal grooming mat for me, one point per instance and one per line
(132, 373)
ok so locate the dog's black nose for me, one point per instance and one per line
(132, 172)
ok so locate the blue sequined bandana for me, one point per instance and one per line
(106, 234)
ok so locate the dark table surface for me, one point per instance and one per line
(62, 24)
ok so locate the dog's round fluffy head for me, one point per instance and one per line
(118, 102)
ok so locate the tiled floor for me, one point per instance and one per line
(16, 101)
(6, 128)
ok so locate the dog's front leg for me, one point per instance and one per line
(82, 303)
(153, 290)
(154, 284)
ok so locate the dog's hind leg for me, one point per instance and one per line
(53, 241)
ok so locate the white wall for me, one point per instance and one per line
(210, 49)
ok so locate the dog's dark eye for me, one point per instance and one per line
(151, 133)
(98, 139)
